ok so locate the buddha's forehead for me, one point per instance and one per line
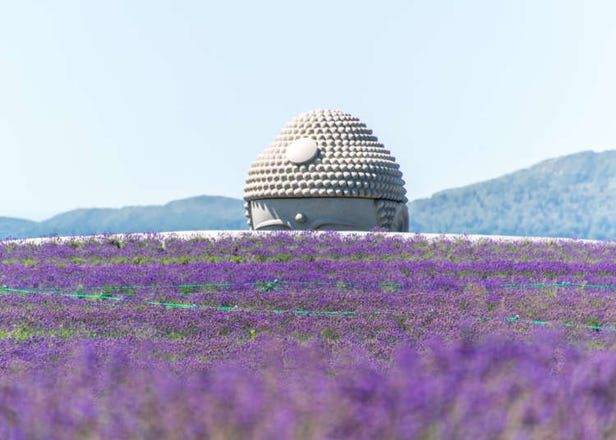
(314, 213)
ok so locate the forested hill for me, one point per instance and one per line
(196, 213)
(570, 196)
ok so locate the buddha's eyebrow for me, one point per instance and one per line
(272, 222)
(331, 221)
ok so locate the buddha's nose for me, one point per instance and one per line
(300, 218)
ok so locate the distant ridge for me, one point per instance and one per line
(16, 227)
(195, 213)
(572, 196)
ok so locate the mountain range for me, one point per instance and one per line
(195, 213)
(570, 196)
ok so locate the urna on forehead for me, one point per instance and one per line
(326, 170)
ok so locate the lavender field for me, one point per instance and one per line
(307, 336)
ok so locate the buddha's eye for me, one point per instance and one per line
(273, 225)
(333, 224)
(333, 227)
(274, 228)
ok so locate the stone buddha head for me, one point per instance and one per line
(326, 171)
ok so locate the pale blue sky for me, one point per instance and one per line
(114, 103)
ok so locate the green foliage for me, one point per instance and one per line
(330, 334)
(114, 241)
(572, 196)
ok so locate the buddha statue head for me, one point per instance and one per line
(326, 171)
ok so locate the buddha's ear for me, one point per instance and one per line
(401, 219)
(248, 214)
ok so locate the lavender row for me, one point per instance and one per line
(378, 320)
(281, 389)
(362, 273)
(159, 249)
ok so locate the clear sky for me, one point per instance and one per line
(115, 103)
